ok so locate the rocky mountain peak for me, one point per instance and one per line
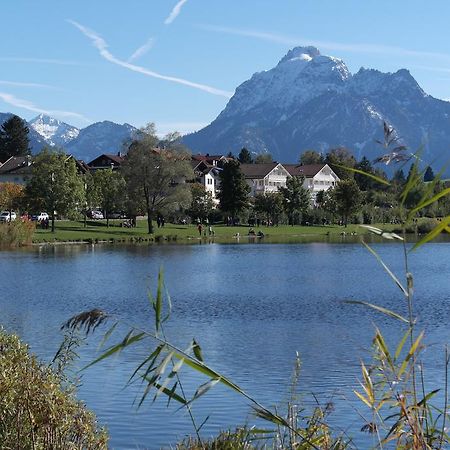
(300, 54)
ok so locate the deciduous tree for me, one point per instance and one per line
(202, 203)
(11, 195)
(311, 157)
(55, 185)
(341, 157)
(263, 158)
(156, 177)
(347, 196)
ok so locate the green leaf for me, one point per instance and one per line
(388, 312)
(401, 344)
(197, 350)
(361, 172)
(443, 224)
(386, 268)
(430, 201)
(128, 340)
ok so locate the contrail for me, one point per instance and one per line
(142, 50)
(101, 45)
(174, 13)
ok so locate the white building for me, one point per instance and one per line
(265, 178)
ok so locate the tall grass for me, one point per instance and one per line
(16, 234)
(38, 409)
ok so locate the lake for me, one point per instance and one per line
(250, 306)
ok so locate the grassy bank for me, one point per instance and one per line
(67, 231)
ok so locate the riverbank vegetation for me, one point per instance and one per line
(38, 408)
(16, 234)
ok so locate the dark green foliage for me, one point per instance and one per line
(399, 177)
(364, 182)
(55, 186)
(311, 157)
(263, 158)
(341, 157)
(14, 139)
(429, 174)
(234, 190)
(202, 204)
(269, 206)
(245, 157)
(111, 191)
(347, 196)
(296, 199)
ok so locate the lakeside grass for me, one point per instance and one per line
(67, 231)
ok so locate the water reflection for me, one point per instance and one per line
(251, 307)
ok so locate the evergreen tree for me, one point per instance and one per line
(234, 190)
(296, 199)
(245, 157)
(399, 177)
(364, 182)
(14, 138)
(428, 175)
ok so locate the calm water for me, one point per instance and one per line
(250, 306)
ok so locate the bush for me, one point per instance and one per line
(16, 234)
(36, 411)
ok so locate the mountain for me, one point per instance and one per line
(312, 101)
(86, 144)
(54, 132)
(100, 137)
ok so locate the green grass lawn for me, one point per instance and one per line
(67, 231)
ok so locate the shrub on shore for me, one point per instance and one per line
(16, 234)
(37, 411)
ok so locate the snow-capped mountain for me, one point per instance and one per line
(54, 132)
(86, 144)
(312, 101)
(100, 137)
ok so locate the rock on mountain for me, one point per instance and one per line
(54, 132)
(312, 101)
(100, 137)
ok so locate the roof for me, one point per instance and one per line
(114, 158)
(257, 170)
(16, 164)
(308, 171)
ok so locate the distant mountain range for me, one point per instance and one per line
(85, 144)
(312, 101)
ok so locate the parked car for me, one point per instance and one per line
(40, 217)
(95, 214)
(116, 215)
(6, 217)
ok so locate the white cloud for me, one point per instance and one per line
(142, 50)
(101, 45)
(32, 85)
(335, 46)
(29, 106)
(174, 13)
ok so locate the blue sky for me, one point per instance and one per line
(176, 62)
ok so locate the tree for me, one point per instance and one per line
(296, 199)
(14, 138)
(155, 178)
(270, 205)
(311, 157)
(11, 195)
(428, 175)
(110, 187)
(202, 203)
(347, 196)
(234, 190)
(245, 157)
(55, 185)
(364, 182)
(341, 157)
(399, 177)
(263, 158)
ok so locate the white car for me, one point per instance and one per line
(6, 217)
(97, 215)
(42, 216)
